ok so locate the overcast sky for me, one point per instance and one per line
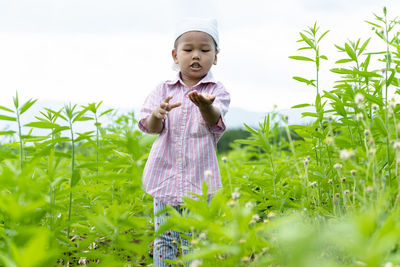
(83, 51)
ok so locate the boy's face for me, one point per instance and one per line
(195, 53)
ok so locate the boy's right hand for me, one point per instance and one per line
(162, 111)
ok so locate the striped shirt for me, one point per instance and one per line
(184, 154)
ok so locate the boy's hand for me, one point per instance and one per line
(201, 100)
(162, 111)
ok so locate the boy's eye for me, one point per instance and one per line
(187, 50)
(205, 50)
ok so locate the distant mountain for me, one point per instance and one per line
(236, 117)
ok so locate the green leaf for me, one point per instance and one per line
(82, 118)
(249, 129)
(350, 52)
(340, 48)
(318, 135)
(27, 105)
(304, 48)
(7, 118)
(324, 57)
(83, 136)
(301, 58)
(345, 60)
(42, 125)
(309, 114)
(307, 40)
(374, 99)
(301, 105)
(364, 46)
(342, 71)
(76, 176)
(15, 99)
(35, 138)
(322, 36)
(106, 112)
(7, 132)
(367, 74)
(303, 80)
(373, 24)
(390, 80)
(381, 125)
(6, 109)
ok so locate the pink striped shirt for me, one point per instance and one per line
(184, 154)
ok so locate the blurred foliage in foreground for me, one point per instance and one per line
(323, 194)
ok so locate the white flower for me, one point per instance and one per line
(196, 263)
(359, 116)
(359, 98)
(256, 217)
(329, 140)
(337, 166)
(313, 184)
(224, 159)
(83, 261)
(374, 107)
(396, 145)
(235, 195)
(208, 173)
(366, 132)
(344, 154)
(202, 235)
(249, 204)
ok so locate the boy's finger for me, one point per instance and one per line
(174, 105)
(166, 100)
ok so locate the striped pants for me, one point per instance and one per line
(166, 245)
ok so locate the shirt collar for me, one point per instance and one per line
(209, 78)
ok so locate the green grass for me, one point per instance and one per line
(322, 194)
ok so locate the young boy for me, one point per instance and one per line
(187, 113)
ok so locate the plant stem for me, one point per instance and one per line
(21, 147)
(72, 173)
(388, 63)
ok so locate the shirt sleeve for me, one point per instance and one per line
(152, 101)
(222, 101)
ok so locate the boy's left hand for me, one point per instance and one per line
(201, 100)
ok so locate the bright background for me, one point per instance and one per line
(83, 51)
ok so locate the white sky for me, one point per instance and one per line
(83, 51)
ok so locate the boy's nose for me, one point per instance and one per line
(195, 55)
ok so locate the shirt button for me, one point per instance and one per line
(184, 110)
(179, 143)
(179, 175)
(183, 127)
(179, 159)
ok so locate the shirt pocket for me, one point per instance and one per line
(197, 125)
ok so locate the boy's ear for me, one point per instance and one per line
(174, 56)
(215, 59)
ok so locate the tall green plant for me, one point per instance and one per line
(311, 40)
(18, 111)
(71, 116)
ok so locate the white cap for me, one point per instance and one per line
(206, 25)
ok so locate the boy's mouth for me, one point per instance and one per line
(195, 66)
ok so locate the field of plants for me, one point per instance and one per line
(322, 194)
